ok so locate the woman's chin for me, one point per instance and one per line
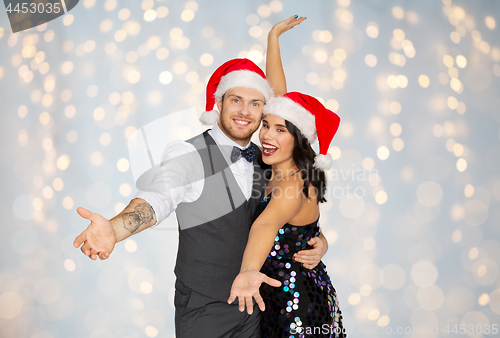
(264, 159)
(275, 160)
(268, 160)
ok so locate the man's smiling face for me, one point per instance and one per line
(240, 113)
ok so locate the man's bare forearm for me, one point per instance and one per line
(137, 216)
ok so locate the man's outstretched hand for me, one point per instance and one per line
(98, 239)
(246, 286)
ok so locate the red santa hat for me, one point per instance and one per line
(233, 73)
(311, 118)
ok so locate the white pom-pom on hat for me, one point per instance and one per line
(209, 118)
(323, 162)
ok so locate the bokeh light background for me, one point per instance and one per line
(415, 82)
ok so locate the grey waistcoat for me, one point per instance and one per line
(213, 230)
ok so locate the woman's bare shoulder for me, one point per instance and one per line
(290, 187)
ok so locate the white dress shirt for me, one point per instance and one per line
(174, 184)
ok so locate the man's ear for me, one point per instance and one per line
(219, 105)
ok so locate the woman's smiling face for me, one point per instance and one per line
(276, 141)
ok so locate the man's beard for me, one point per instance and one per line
(228, 130)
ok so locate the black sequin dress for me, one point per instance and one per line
(305, 305)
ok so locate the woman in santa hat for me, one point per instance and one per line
(288, 217)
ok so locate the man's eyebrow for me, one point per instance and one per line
(241, 98)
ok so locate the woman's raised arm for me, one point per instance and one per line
(274, 68)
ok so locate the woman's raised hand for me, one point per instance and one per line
(285, 25)
(274, 68)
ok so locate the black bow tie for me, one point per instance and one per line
(248, 154)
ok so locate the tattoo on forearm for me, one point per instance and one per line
(143, 214)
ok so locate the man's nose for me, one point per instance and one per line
(245, 110)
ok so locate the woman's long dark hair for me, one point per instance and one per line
(303, 156)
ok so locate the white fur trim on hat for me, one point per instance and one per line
(244, 78)
(323, 162)
(209, 118)
(294, 113)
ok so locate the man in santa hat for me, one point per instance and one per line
(214, 183)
